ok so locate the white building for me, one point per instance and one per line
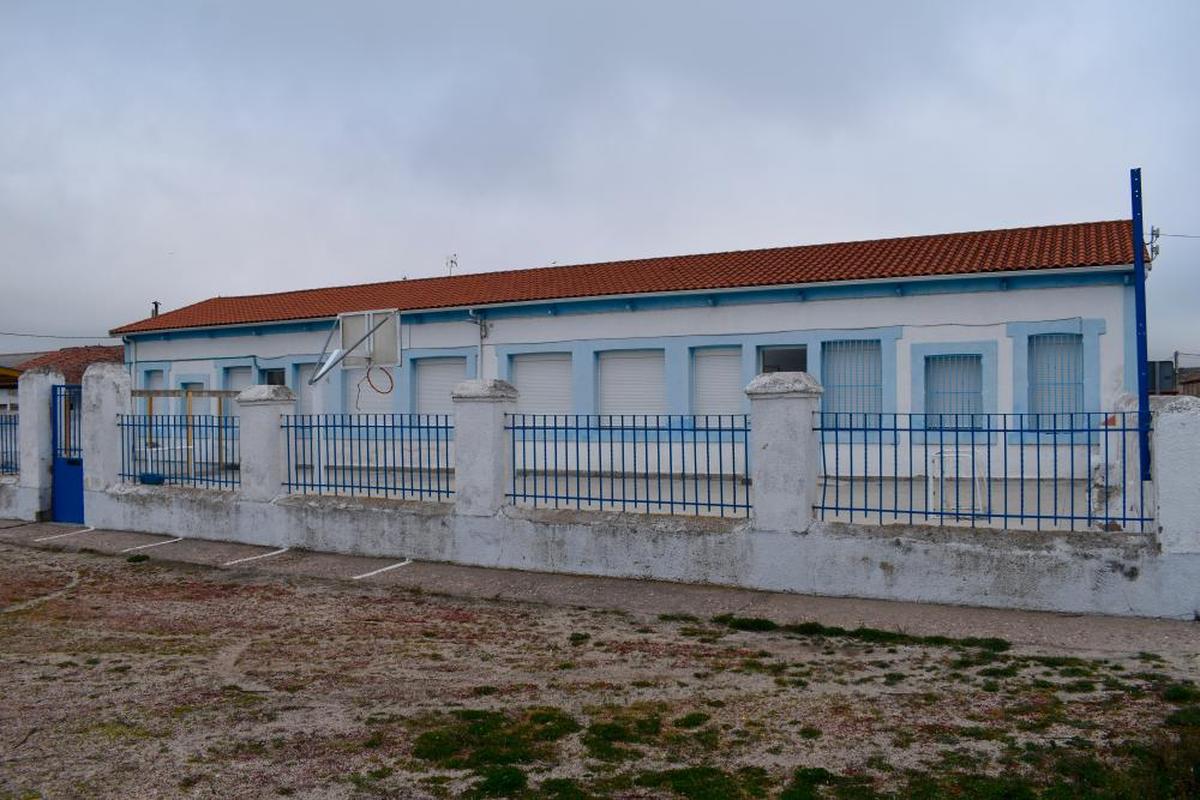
(1022, 320)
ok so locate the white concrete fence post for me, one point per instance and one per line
(480, 446)
(263, 457)
(784, 450)
(34, 434)
(106, 395)
(1175, 448)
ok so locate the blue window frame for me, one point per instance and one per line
(954, 391)
(1056, 379)
(852, 374)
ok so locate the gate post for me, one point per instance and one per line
(106, 395)
(784, 450)
(33, 437)
(480, 448)
(264, 462)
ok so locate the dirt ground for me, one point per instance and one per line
(135, 679)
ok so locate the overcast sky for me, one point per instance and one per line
(178, 150)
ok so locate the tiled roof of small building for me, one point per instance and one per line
(1086, 244)
(72, 361)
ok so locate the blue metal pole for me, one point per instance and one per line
(1139, 290)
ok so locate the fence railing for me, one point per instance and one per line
(650, 463)
(404, 456)
(10, 448)
(183, 450)
(1068, 471)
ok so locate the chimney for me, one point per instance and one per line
(154, 304)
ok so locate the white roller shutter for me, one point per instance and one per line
(632, 382)
(238, 378)
(717, 381)
(544, 382)
(304, 392)
(435, 378)
(361, 398)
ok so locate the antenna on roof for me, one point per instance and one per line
(451, 263)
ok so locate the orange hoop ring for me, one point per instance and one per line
(371, 383)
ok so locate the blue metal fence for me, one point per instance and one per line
(10, 449)
(181, 450)
(404, 456)
(650, 463)
(1070, 471)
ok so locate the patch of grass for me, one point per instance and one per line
(612, 738)
(809, 732)
(692, 720)
(484, 691)
(504, 781)
(707, 783)
(1188, 717)
(561, 789)
(138, 558)
(678, 618)
(471, 739)
(862, 634)
(1181, 693)
(745, 623)
(578, 638)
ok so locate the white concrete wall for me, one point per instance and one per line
(1081, 573)
(779, 548)
(925, 319)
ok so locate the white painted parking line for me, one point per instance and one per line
(88, 529)
(255, 558)
(152, 544)
(405, 562)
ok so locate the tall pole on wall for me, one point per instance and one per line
(1139, 297)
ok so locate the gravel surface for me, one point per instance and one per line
(146, 679)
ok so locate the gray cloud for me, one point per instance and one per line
(174, 151)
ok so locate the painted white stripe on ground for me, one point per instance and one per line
(88, 529)
(255, 558)
(152, 544)
(405, 562)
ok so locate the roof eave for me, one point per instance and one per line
(124, 332)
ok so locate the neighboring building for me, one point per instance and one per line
(1023, 320)
(1187, 380)
(10, 371)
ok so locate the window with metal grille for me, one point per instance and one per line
(1055, 379)
(954, 391)
(852, 373)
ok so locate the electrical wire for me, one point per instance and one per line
(53, 336)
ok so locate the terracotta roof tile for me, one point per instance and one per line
(1086, 244)
(72, 361)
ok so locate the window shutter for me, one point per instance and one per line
(717, 386)
(544, 382)
(953, 390)
(436, 378)
(852, 374)
(1056, 373)
(304, 392)
(632, 382)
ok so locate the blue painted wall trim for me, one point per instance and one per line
(678, 353)
(1090, 329)
(986, 350)
(406, 386)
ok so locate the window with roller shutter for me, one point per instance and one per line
(632, 382)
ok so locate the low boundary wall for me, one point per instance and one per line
(780, 547)
(1120, 574)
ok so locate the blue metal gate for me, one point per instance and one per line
(66, 498)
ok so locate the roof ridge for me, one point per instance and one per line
(468, 283)
(710, 253)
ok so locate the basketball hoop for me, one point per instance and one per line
(391, 382)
